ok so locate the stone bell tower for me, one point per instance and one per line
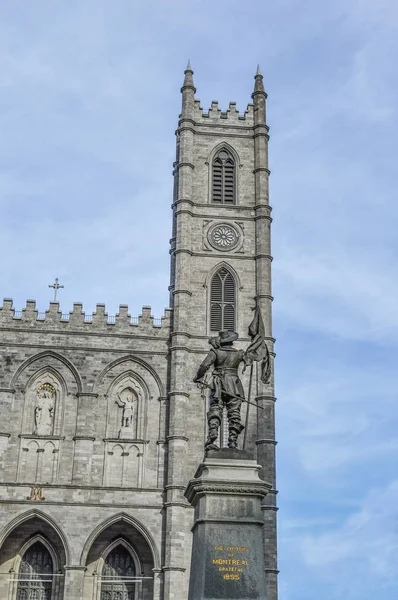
(220, 270)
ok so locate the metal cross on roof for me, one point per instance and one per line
(56, 287)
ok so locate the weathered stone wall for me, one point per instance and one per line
(88, 478)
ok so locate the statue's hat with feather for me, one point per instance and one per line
(226, 337)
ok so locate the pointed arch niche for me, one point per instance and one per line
(50, 380)
(43, 416)
(46, 390)
(127, 408)
(126, 416)
(133, 449)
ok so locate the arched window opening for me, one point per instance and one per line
(118, 571)
(35, 574)
(222, 301)
(223, 179)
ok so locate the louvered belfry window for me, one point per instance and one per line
(222, 301)
(223, 178)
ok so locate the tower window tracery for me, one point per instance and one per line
(222, 301)
(223, 178)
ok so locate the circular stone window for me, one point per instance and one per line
(223, 155)
(223, 237)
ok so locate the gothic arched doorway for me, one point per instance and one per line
(31, 566)
(118, 575)
(35, 574)
(120, 562)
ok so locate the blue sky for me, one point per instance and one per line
(89, 100)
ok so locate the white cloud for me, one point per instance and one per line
(336, 430)
(353, 556)
(364, 546)
(340, 293)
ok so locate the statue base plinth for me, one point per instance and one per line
(230, 454)
(227, 550)
(127, 433)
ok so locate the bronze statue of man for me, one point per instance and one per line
(226, 390)
(226, 387)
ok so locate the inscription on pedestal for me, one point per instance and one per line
(230, 563)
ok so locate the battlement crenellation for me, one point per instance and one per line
(231, 114)
(78, 319)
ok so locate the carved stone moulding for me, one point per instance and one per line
(200, 487)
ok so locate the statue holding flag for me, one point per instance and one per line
(226, 386)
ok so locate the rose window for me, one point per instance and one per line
(223, 237)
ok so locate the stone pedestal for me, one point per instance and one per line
(227, 552)
(127, 433)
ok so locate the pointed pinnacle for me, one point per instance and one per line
(258, 83)
(188, 79)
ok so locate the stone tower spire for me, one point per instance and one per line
(259, 96)
(188, 79)
(188, 91)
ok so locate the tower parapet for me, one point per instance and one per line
(232, 113)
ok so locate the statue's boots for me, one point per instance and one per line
(211, 438)
(214, 422)
(234, 430)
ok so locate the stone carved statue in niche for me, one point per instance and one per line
(126, 400)
(44, 410)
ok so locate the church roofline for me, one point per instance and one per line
(77, 318)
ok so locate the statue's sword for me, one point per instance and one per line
(204, 384)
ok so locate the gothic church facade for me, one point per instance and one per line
(102, 426)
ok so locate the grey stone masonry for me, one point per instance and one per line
(194, 261)
(83, 482)
(102, 426)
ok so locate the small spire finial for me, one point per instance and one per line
(258, 83)
(188, 79)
